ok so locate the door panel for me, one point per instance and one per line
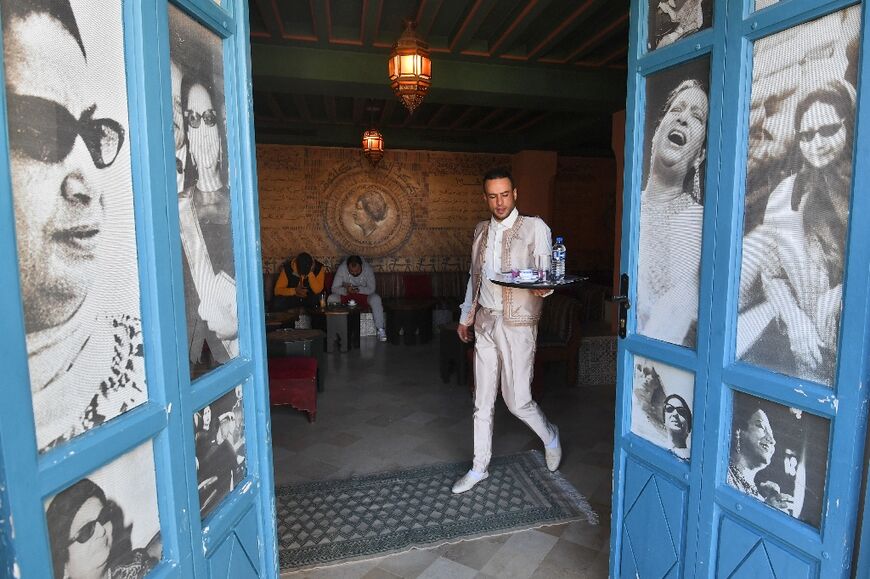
(772, 383)
(101, 419)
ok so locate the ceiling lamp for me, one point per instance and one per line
(373, 145)
(410, 68)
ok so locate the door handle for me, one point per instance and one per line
(623, 302)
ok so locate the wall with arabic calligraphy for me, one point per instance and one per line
(415, 212)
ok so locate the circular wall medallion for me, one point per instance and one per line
(367, 217)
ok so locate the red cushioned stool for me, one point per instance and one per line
(293, 382)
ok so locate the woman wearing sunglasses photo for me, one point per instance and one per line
(795, 327)
(73, 202)
(677, 417)
(204, 211)
(89, 539)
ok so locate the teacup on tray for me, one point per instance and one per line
(351, 303)
(527, 275)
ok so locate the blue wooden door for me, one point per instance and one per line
(740, 409)
(134, 433)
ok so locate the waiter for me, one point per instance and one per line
(505, 323)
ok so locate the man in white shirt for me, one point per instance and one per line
(355, 279)
(505, 323)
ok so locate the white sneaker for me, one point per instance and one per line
(382, 335)
(554, 455)
(467, 482)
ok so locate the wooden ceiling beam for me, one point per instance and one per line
(510, 120)
(463, 119)
(427, 12)
(289, 69)
(302, 107)
(564, 28)
(329, 107)
(470, 25)
(274, 106)
(531, 121)
(359, 111)
(598, 38)
(371, 16)
(387, 111)
(269, 12)
(516, 28)
(442, 110)
(322, 21)
(488, 117)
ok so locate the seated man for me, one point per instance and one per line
(355, 280)
(299, 283)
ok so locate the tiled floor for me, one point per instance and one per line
(385, 408)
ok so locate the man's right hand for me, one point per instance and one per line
(463, 332)
(302, 292)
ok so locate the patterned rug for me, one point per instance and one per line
(346, 520)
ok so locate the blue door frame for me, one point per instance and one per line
(663, 506)
(245, 518)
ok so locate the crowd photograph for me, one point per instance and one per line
(219, 432)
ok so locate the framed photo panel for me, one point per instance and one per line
(662, 405)
(671, 20)
(107, 524)
(672, 203)
(779, 455)
(202, 179)
(798, 190)
(72, 191)
(219, 431)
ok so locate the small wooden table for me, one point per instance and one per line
(278, 320)
(410, 317)
(341, 324)
(291, 342)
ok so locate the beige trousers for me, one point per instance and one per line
(503, 353)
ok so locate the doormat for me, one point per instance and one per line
(376, 515)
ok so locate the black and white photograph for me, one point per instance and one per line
(671, 20)
(661, 408)
(219, 431)
(106, 525)
(204, 204)
(72, 193)
(779, 455)
(672, 203)
(798, 189)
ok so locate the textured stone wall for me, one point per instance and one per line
(417, 210)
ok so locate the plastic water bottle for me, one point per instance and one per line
(557, 265)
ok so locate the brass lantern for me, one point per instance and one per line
(410, 68)
(373, 145)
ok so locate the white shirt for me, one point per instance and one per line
(490, 293)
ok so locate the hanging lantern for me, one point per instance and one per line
(373, 145)
(410, 68)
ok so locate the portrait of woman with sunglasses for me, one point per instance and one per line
(89, 539)
(677, 418)
(73, 202)
(662, 406)
(795, 326)
(204, 204)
